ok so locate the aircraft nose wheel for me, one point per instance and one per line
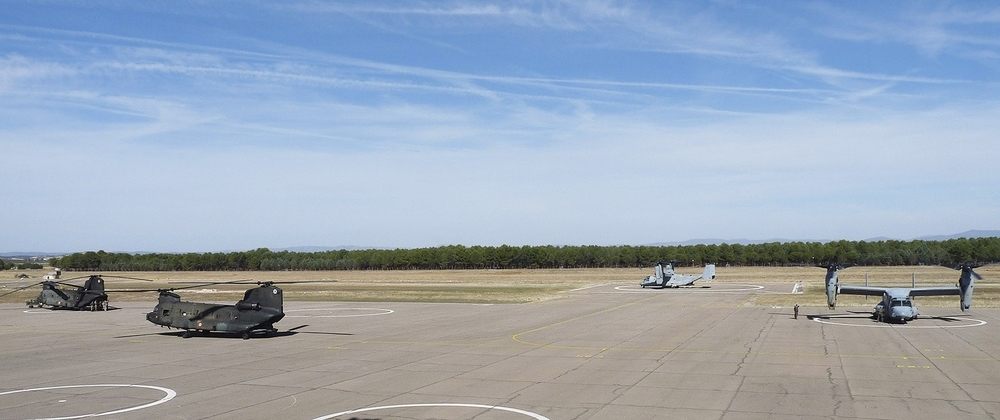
(246, 335)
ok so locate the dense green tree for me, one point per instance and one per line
(890, 252)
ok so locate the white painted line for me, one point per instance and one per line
(170, 395)
(39, 311)
(588, 287)
(389, 407)
(640, 289)
(825, 320)
(373, 313)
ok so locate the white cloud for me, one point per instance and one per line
(157, 144)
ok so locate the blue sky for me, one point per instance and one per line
(188, 126)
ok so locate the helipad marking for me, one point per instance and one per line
(640, 289)
(382, 312)
(587, 287)
(389, 407)
(825, 320)
(38, 311)
(170, 395)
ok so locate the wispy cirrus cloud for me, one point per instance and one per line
(518, 122)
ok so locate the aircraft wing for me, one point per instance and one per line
(862, 290)
(900, 291)
(681, 280)
(935, 291)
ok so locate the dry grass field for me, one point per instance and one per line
(510, 286)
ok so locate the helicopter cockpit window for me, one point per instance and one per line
(166, 312)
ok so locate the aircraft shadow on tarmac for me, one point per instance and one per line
(216, 334)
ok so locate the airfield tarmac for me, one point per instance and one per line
(610, 351)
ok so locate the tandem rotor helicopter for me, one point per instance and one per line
(63, 295)
(257, 312)
(897, 303)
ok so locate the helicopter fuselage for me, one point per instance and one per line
(896, 306)
(245, 317)
(90, 297)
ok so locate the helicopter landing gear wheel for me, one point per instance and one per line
(246, 335)
(187, 334)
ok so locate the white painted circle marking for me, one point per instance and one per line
(381, 312)
(170, 395)
(825, 320)
(389, 407)
(38, 311)
(745, 288)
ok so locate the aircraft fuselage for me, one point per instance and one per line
(244, 317)
(895, 309)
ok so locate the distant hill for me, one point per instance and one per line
(323, 248)
(966, 234)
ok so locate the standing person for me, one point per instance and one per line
(796, 311)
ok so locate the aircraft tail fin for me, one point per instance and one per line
(93, 292)
(709, 273)
(265, 296)
(94, 284)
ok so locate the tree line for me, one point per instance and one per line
(890, 252)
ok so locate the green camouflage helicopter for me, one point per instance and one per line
(259, 309)
(62, 295)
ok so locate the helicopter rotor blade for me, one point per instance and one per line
(213, 283)
(127, 278)
(77, 278)
(259, 282)
(252, 281)
(62, 282)
(20, 289)
(161, 289)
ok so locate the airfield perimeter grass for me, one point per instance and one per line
(509, 286)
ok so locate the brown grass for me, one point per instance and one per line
(510, 286)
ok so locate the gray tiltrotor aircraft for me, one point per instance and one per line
(665, 276)
(897, 303)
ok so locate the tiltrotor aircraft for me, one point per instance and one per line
(259, 309)
(91, 296)
(897, 303)
(665, 276)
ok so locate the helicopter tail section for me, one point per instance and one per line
(94, 284)
(93, 296)
(265, 296)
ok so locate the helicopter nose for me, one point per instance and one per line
(902, 313)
